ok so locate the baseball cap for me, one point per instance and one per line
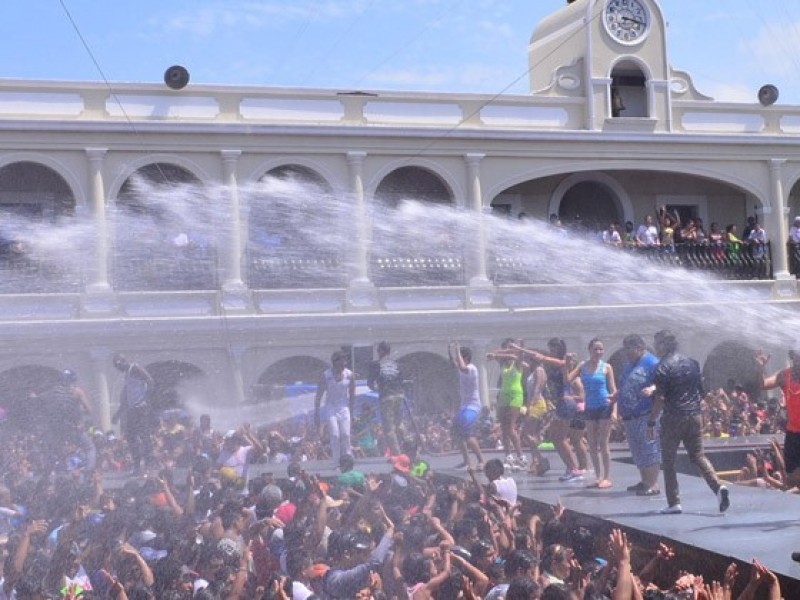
(401, 463)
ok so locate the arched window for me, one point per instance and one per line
(628, 91)
(589, 206)
(165, 231)
(404, 253)
(297, 233)
(412, 183)
(35, 205)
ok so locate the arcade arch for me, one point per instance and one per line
(35, 191)
(179, 384)
(412, 183)
(293, 238)
(732, 362)
(165, 236)
(402, 252)
(294, 370)
(34, 194)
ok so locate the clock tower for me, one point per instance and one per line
(612, 54)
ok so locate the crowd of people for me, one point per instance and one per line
(666, 230)
(226, 528)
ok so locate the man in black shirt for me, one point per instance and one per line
(678, 390)
(386, 379)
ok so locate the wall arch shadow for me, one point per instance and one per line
(732, 362)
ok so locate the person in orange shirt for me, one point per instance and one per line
(788, 380)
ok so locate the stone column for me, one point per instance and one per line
(234, 296)
(480, 290)
(361, 292)
(101, 361)
(777, 226)
(233, 248)
(99, 275)
(236, 352)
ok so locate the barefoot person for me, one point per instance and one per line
(597, 377)
(466, 419)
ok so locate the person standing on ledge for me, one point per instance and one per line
(339, 388)
(678, 388)
(788, 380)
(466, 419)
(386, 379)
(135, 413)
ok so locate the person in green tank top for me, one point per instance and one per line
(510, 400)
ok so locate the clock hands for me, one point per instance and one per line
(626, 18)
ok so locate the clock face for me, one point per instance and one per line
(627, 21)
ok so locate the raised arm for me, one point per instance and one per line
(142, 372)
(774, 380)
(621, 552)
(571, 371)
(455, 356)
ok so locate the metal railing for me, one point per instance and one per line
(295, 272)
(167, 272)
(24, 275)
(408, 271)
(732, 261)
(726, 260)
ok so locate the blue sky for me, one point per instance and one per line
(731, 47)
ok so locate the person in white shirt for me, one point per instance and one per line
(500, 485)
(612, 236)
(757, 240)
(647, 234)
(339, 388)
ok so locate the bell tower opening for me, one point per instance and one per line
(628, 91)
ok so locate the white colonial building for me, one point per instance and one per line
(609, 132)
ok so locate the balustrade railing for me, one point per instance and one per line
(407, 271)
(733, 261)
(22, 274)
(276, 272)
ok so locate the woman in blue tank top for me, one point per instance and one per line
(597, 377)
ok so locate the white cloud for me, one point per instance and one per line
(209, 19)
(496, 29)
(472, 78)
(775, 50)
(730, 92)
(412, 77)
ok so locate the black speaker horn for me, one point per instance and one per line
(176, 77)
(768, 95)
